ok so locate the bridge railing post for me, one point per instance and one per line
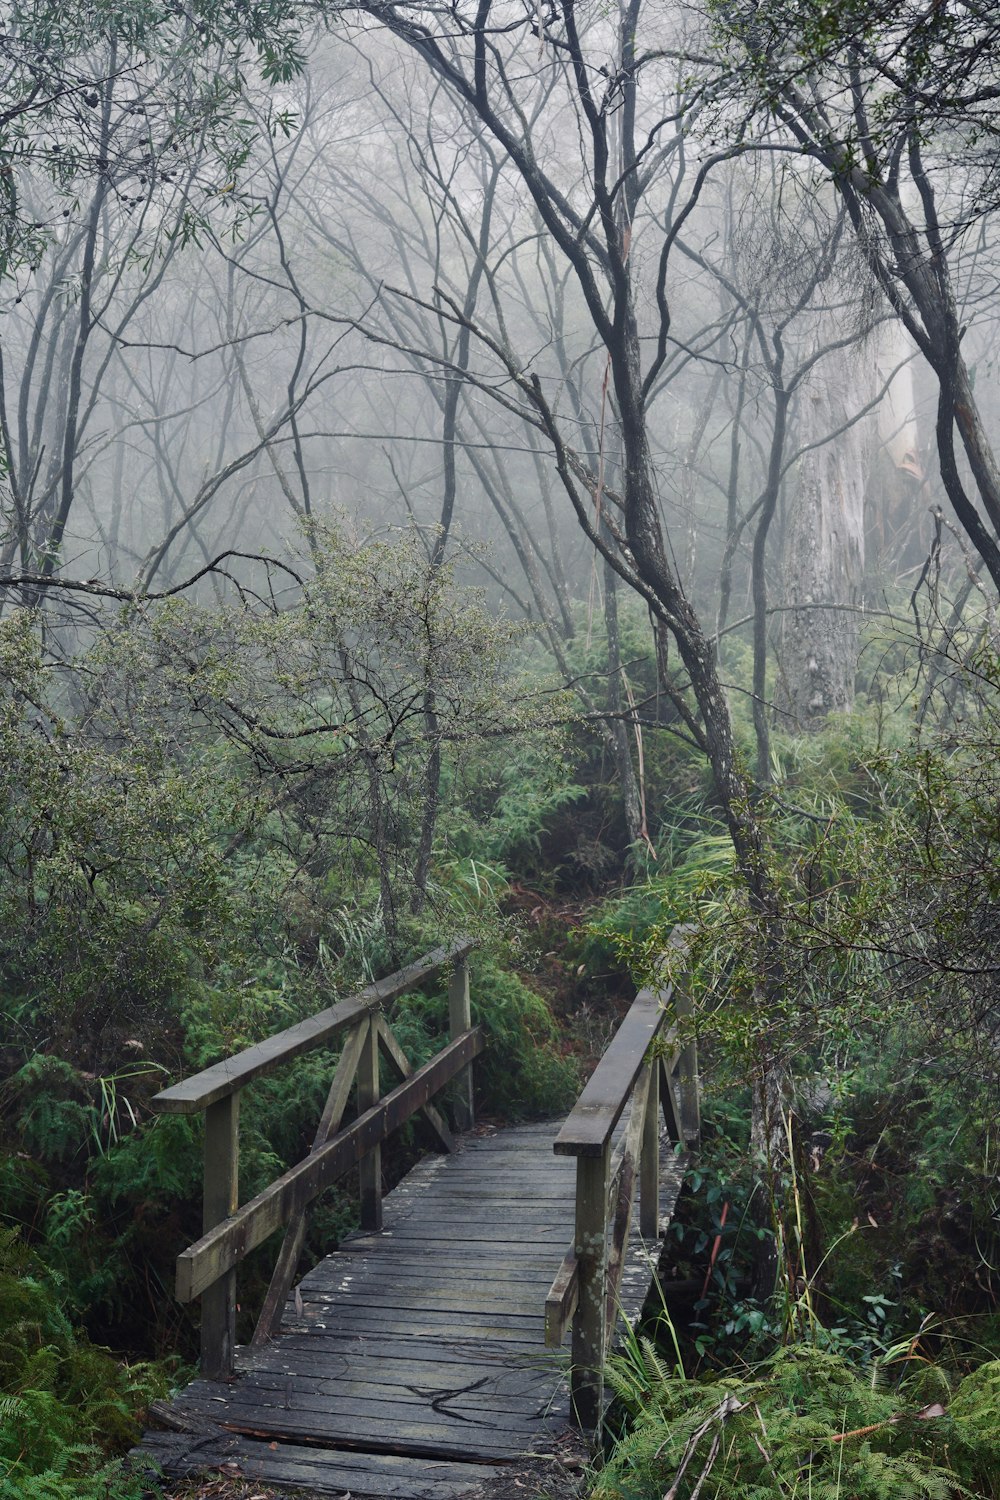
(221, 1198)
(591, 1250)
(370, 1167)
(460, 1021)
(687, 1074)
(649, 1160)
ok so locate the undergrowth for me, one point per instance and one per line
(802, 1423)
(66, 1405)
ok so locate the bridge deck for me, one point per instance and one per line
(412, 1362)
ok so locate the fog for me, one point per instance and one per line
(358, 293)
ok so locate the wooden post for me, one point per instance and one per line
(370, 1169)
(649, 1168)
(587, 1376)
(687, 1073)
(459, 1020)
(221, 1198)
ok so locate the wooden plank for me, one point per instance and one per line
(464, 1288)
(687, 1076)
(223, 1078)
(398, 1057)
(307, 1355)
(468, 1440)
(649, 1162)
(413, 1322)
(213, 1083)
(425, 1399)
(516, 1284)
(623, 1193)
(368, 1376)
(415, 1261)
(668, 1099)
(220, 1249)
(291, 1248)
(591, 1123)
(459, 1020)
(370, 1165)
(562, 1299)
(323, 1471)
(220, 1199)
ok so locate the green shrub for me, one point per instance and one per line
(804, 1423)
(522, 1073)
(66, 1406)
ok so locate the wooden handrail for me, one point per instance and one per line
(208, 1268)
(586, 1286)
(234, 1073)
(591, 1123)
(219, 1250)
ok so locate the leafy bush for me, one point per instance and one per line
(803, 1423)
(522, 1073)
(66, 1406)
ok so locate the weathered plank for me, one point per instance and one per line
(204, 1088)
(399, 1059)
(319, 1470)
(459, 1020)
(561, 1302)
(426, 1339)
(370, 1164)
(216, 1252)
(591, 1123)
(295, 1234)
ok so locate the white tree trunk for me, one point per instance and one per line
(824, 559)
(898, 531)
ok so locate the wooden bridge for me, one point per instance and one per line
(426, 1352)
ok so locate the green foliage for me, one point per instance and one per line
(801, 1423)
(523, 1072)
(511, 806)
(975, 1414)
(628, 926)
(190, 70)
(66, 1405)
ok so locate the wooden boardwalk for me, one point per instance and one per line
(412, 1363)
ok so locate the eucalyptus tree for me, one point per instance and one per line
(898, 107)
(591, 128)
(781, 259)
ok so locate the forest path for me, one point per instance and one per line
(412, 1363)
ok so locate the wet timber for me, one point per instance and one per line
(412, 1363)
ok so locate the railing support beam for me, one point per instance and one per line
(587, 1377)
(649, 1161)
(221, 1198)
(460, 1021)
(370, 1166)
(687, 1074)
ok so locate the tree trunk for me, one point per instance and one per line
(635, 821)
(825, 549)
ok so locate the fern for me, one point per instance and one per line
(66, 1406)
(975, 1416)
(803, 1423)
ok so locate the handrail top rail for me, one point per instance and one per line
(232, 1073)
(590, 1124)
